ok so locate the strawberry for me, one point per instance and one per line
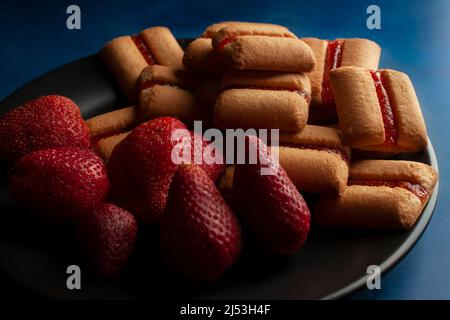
(46, 122)
(270, 206)
(107, 235)
(141, 167)
(60, 183)
(200, 236)
(204, 147)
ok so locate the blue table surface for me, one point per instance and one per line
(414, 36)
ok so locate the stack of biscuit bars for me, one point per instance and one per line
(328, 98)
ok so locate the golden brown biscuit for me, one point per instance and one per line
(165, 92)
(168, 76)
(163, 46)
(127, 56)
(381, 194)
(315, 159)
(263, 99)
(378, 110)
(125, 62)
(104, 147)
(200, 57)
(214, 28)
(263, 48)
(334, 54)
(113, 122)
(229, 32)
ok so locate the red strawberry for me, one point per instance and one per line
(141, 167)
(46, 122)
(60, 183)
(270, 205)
(108, 235)
(200, 236)
(206, 148)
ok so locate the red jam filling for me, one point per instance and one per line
(387, 112)
(317, 147)
(303, 93)
(143, 49)
(223, 43)
(333, 59)
(415, 188)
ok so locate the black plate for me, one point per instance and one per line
(332, 264)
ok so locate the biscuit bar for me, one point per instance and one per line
(381, 194)
(200, 57)
(315, 159)
(263, 48)
(263, 99)
(378, 110)
(127, 56)
(212, 30)
(330, 55)
(112, 123)
(165, 91)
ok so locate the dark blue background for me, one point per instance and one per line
(414, 37)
